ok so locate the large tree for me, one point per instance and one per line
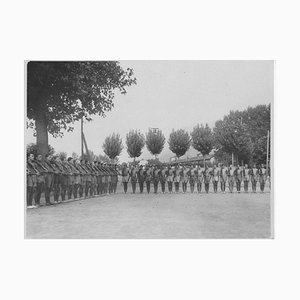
(60, 93)
(135, 142)
(112, 146)
(179, 142)
(243, 133)
(202, 139)
(155, 141)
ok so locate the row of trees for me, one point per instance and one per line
(242, 134)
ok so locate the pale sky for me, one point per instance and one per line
(174, 94)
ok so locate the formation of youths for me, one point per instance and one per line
(196, 176)
(67, 179)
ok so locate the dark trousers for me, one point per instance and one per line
(253, 186)
(56, 187)
(76, 189)
(215, 184)
(39, 190)
(141, 184)
(133, 184)
(155, 186)
(262, 185)
(163, 186)
(115, 187)
(170, 186)
(148, 183)
(238, 185)
(176, 187)
(206, 186)
(125, 185)
(47, 194)
(184, 186)
(70, 191)
(30, 193)
(246, 186)
(199, 186)
(192, 186)
(231, 184)
(223, 186)
(101, 191)
(87, 188)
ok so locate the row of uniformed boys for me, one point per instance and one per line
(67, 177)
(195, 176)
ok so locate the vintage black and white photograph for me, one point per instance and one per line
(149, 149)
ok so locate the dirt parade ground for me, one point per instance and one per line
(155, 216)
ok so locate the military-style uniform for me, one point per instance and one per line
(231, 178)
(141, 178)
(148, 179)
(262, 178)
(32, 173)
(71, 176)
(156, 178)
(57, 178)
(215, 178)
(106, 179)
(78, 186)
(184, 178)
(170, 178)
(207, 174)
(246, 177)
(99, 178)
(163, 178)
(254, 178)
(114, 179)
(125, 178)
(43, 170)
(177, 178)
(223, 178)
(49, 179)
(134, 178)
(199, 178)
(239, 177)
(64, 173)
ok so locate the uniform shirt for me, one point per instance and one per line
(141, 175)
(216, 174)
(40, 166)
(246, 174)
(31, 167)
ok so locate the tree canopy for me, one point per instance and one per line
(179, 142)
(60, 93)
(112, 146)
(202, 139)
(135, 142)
(155, 141)
(244, 133)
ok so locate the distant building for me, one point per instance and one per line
(209, 159)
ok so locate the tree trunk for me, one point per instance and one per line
(41, 133)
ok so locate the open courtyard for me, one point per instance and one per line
(155, 216)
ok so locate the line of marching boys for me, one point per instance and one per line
(67, 178)
(196, 176)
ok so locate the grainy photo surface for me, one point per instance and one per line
(149, 149)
